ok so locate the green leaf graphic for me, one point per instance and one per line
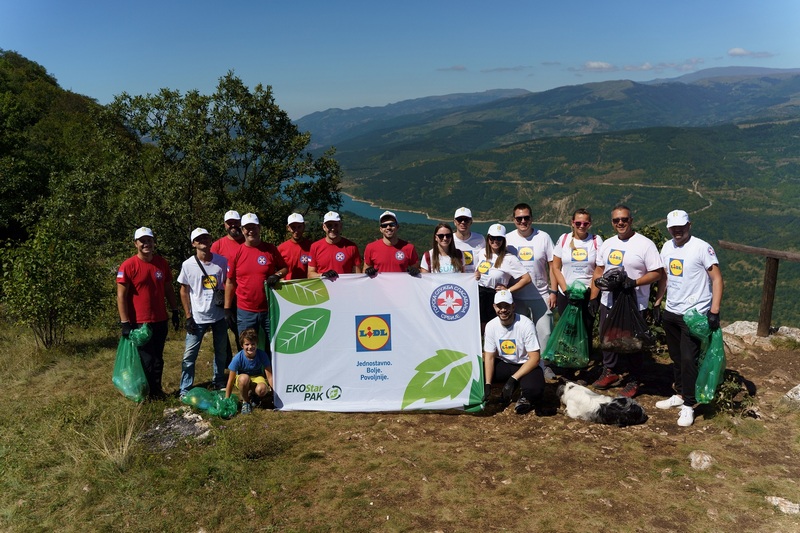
(445, 374)
(302, 330)
(305, 292)
(475, 404)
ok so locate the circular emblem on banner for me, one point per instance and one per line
(467, 258)
(373, 333)
(334, 393)
(449, 302)
(159, 274)
(340, 256)
(525, 253)
(615, 257)
(399, 255)
(508, 347)
(262, 260)
(580, 254)
(676, 267)
(305, 259)
(484, 267)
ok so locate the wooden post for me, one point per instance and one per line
(767, 297)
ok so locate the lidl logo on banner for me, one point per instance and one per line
(449, 302)
(373, 333)
(615, 257)
(676, 267)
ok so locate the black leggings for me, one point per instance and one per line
(531, 384)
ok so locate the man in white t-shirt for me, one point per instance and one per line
(465, 240)
(693, 281)
(638, 257)
(511, 355)
(202, 280)
(534, 249)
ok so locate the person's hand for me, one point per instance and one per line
(629, 283)
(487, 392)
(713, 321)
(414, 271)
(190, 325)
(594, 306)
(273, 280)
(371, 271)
(176, 319)
(330, 274)
(657, 315)
(509, 388)
(230, 318)
(551, 301)
(125, 328)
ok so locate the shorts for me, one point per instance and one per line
(253, 379)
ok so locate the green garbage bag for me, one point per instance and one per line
(568, 346)
(212, 402)
(128, 375)
(711, 366)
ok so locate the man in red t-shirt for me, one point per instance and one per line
(390, 253)
(255, 263)
(297, 250)
(226, 246)
(333, 254)
(143, 281)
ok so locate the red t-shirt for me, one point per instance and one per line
(146, 282)
(226, 247)
(297, 255)
(249, 269)
(341, 257)
(390, 258)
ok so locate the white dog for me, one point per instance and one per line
(584, 404)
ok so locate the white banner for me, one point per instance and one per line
(389, 343)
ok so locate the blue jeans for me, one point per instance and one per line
(248, 319)
(219, 330)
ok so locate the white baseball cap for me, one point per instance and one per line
(331, 216)
(295, 218)
(388, 214)
(250, 218)
(232, 215)
(677, 218)
(497, 230)
(143, 232)
(503, 297)
(462, 212)
(197, 232)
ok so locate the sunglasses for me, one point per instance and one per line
(581, 224)
(389, 224)
(496, 239)
(443, 236)
(523, 219)
(624, 220)
(463, 220)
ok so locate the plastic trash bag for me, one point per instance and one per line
(212, 402)
(128, 375)
(624, 330)
(711, 365)
(568, 346)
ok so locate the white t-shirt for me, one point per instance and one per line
(638, 255)
(578, 264)
(445, 265)
(470, 248)
(688, 282)
(513, 343)
(201, 291)
(492, 276)
(535, 252)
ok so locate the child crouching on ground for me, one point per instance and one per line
(250, 370)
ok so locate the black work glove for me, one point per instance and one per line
(125, 328)
(371, 271)
(594, 306)
(190, 326)
(330, 274)
(713, 321)
(509, 388)
(414, 271)
(230, 318)
(657, 315)
(487, 392)
(176, 319)
(272, 280)
(629, 283)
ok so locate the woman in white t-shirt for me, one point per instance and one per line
(574, 259)
(497, 270)
(443, 258)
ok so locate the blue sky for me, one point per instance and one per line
(322, 54)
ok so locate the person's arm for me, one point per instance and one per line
(555, 272)
(521, 282)
(661, 290)
(552, 286)
(229, 386)
(528, 366)
(122, 301)
(595, 291)
(312, 272)
(650, 277)
(185, 301)
(717, 287)
(268, 374)
(230, 291)
(488, 366)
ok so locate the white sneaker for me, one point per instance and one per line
(687, 416)
(673, 401)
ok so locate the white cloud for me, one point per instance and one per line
(741, 52)
(594, 66)
(644, 66)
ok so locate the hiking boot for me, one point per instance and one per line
(630, 389)
(523, 406)
(669, 403)
(247, 408)
(607, 379)
(686, 418)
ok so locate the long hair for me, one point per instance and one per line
(500, 255)
(452, 251)
(580, 211)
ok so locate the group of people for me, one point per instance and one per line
(522, 276)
